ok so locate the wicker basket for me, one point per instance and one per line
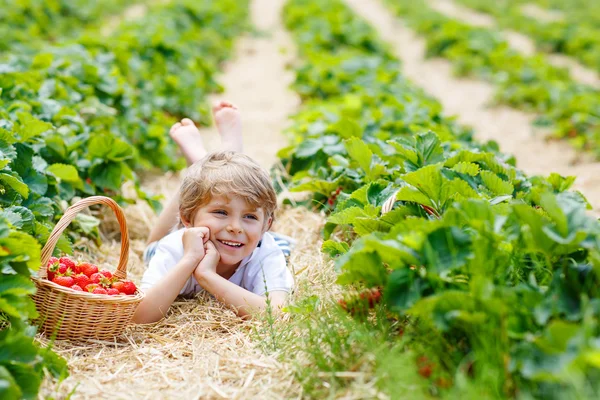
(69, 314)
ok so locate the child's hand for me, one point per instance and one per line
(194, 240)
(210, 261)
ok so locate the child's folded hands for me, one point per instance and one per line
(210, 261)
(194, 240)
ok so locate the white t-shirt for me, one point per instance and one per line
(263, 270)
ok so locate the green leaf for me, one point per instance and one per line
(333, 248)
(346, 216)
(16, 183)
(109, 148)
(27, 378)
(427, 180)
(9, 389)
(308, 148)
(17, 285)
(317, 186)
(359, 151)
(64, 172)
(496, 185)
(363, 267)
(466, 168)
(346, 128)
(30, 127)
(86, 223)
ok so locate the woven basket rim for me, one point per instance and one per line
(120, 298)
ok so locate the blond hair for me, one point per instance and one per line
(226, 173)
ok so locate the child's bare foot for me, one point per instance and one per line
(187, 136)
(229, 124)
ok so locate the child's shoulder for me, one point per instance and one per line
(172, 242)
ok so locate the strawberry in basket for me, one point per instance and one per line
(86, 277)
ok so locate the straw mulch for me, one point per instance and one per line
(201, 349)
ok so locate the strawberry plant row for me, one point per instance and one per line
(37, 22)
(573, 11)
(570, 109)
(577, 37)
(497, 271)
(79, 119)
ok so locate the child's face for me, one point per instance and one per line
(235, 226)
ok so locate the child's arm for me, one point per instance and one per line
(243, 301)
(159, 298)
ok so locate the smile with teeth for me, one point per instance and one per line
(231, 244)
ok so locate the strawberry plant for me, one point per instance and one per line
(529, 83)
(497, 270)
(81, 118)
(31, 23)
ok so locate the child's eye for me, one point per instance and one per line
(220, 212)
(251, 216)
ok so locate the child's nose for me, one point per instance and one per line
(234, 227)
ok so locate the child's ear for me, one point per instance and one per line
(268, 224)
(184, 221)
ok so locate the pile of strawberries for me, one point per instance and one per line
(86, 277)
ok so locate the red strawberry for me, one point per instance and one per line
(119, 285)
(81, 280)
(101, 280)
(52, 267)
(66, 281)
(90, 288)
(51, 261)
(426, 370)
(106, 274)
(69, 263)
(99, 290)
(77, 288)
(95, 278)
(87, 268)
(112, 292)
(129, 287)
(373, 296)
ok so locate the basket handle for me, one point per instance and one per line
(66, 219)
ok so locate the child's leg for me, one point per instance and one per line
(229, 124)
(187, 136)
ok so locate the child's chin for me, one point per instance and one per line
(230, 260)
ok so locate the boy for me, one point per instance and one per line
(226, 204)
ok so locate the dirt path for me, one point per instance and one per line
(518, 41)
(468, 99)
(202, 350)
(257, 82)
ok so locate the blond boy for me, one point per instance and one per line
(225, 206)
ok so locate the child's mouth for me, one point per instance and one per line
(229, 243)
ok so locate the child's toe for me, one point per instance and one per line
(187, 121)
(175, 127)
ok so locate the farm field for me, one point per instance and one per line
(436, 162)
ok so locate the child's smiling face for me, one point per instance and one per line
(235, 226)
